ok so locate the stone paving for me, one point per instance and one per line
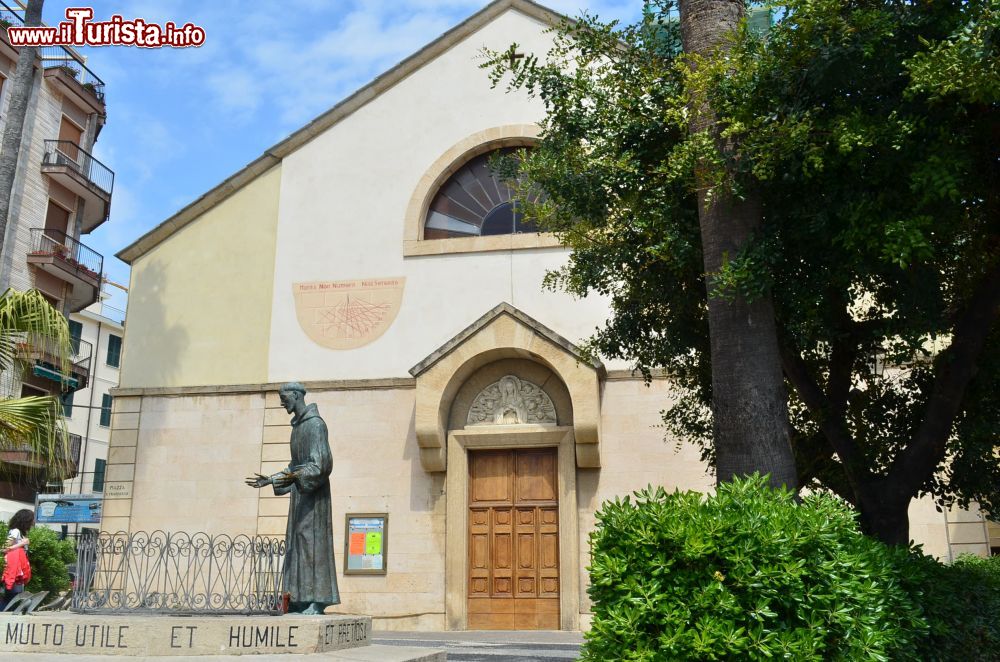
(492, 646)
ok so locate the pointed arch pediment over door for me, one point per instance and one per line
(503, 333)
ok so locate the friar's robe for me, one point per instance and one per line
(310, 573)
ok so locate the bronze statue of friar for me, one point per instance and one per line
(309, 572)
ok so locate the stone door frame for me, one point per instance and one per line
(457, 513)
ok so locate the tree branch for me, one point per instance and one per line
(955, 368)
(833, 427)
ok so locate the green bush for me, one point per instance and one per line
(746, 574)
(961, 602)
(48, 557)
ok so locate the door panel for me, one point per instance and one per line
(513, 540)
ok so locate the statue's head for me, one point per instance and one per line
(290, 394)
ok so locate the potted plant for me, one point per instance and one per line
(69, 70)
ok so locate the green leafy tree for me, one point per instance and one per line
(879, 187)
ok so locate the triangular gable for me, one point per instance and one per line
(506, 309)
(273, 156)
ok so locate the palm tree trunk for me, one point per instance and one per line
(749, 402)
(20, 94)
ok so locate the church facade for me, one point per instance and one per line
(373, 257)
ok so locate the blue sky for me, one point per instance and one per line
(182, 120)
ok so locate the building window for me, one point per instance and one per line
(67, 403)
(99, 466)
(57, 222)
(75, 333)
(105, 410)
(114, 350)
(476, 202)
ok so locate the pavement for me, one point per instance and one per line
(491, 646)
(469, 646)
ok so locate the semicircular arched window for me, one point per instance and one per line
(474, 202)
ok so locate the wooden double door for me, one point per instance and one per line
(513, 540)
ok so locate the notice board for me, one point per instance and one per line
(68, 508)
(366, 542)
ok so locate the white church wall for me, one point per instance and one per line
(342, 211)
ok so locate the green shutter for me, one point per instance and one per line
(114, 350)
(75, 333)
(106, 410)
(99, 466)
(67, 403)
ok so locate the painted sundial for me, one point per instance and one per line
(347, 314)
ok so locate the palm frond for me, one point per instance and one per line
(33, 424)
(27, 317)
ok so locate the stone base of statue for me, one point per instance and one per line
(182, 636)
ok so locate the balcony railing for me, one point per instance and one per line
(62, 464)
(58, 56)
(8, 15)
(68, 153)
(71, 254)
(44, 355)
(112, 313)
(84, 482)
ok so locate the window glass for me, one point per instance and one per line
(114, 350)
(475, 202)
(106, 410)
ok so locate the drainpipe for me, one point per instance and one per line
(90, 412)
(90, 409)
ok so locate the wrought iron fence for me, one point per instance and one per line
(72, 254)
(68, 153)
(179, 573)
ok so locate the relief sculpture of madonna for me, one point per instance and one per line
(309, 571)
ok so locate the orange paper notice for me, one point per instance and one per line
(357, 544)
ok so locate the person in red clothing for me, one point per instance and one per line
(17, 570)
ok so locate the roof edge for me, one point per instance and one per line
(505, 308)
(380, 84)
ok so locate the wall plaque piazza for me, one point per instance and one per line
(346, 314)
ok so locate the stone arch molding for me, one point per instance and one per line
(455, 157)
(505, 332)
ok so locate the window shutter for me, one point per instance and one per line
(99, 466)
(114, 350)
(106, 410)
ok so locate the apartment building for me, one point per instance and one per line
(61, 193)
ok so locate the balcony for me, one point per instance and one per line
(63, 66)
(68, 260)
(61, 466)
(67, 163)
(43, 360)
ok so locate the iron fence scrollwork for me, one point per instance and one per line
(178, 573)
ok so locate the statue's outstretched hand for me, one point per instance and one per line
(283, 479)
(258, 480)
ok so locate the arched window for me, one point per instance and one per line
(475, 202)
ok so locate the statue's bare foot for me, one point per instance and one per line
(314, 609)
